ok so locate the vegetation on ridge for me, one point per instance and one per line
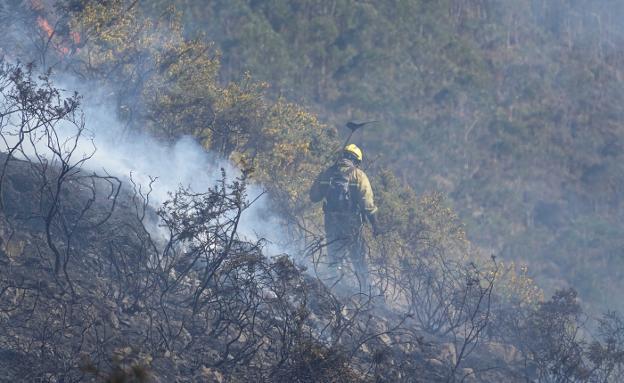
(169, 85)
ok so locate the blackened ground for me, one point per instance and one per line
(112, 309)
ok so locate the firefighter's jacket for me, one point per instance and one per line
(359, 187)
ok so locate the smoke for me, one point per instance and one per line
(185, 163)
(550, 70)
(123, 152)
(151, 163)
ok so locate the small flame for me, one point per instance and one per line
(63, 44)
(45, 26)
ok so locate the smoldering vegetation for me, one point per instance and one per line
(99, 282)
(512, 108)
(89, 293)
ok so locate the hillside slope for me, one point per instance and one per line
(191, 297)
(122, 305)
(513, 108)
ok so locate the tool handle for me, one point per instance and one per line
(347, 140)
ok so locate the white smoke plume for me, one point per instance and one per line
(127, 154)
(183, 164)
(121, 152)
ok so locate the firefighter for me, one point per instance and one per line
(348, 201)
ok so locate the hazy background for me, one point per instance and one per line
(512, 108)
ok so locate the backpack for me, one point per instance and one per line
(338, 194)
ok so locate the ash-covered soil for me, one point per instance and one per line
(87, 293)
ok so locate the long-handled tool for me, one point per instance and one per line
(353, 126)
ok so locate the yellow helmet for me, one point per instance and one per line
(354, 150)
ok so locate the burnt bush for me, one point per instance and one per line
(89, 270)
